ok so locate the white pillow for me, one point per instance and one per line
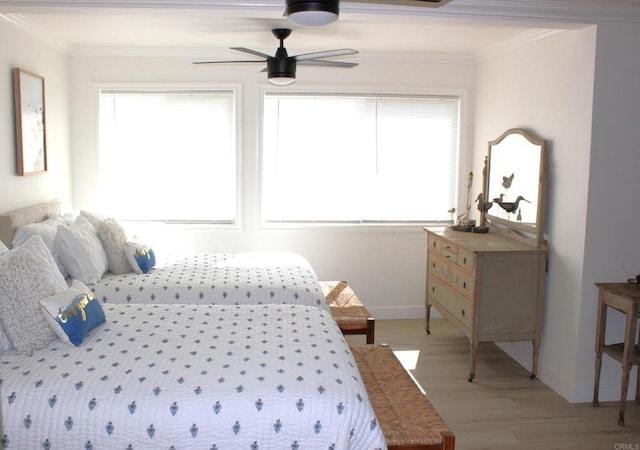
(3, 248)
(114, 242)
(93, 219)
(81, 251)
(47, 231)
(23, 282)
(5, 343)
(36, 246)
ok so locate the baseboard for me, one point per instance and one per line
(581, 392)
(397, 312)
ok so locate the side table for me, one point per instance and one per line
(624, 297)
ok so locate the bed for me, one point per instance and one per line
(253, 368)
(192, 376)
(194, 278)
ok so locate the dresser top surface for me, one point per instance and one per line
(482, 242)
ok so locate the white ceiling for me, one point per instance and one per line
(461, 27)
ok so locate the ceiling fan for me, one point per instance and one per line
(281, 68)
(315, 13)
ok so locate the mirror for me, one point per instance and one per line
(515, 183)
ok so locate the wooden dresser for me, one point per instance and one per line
(488, 285)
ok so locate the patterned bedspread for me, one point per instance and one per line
(192, 376)
(218, 278)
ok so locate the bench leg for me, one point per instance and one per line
(448, 440)
(371, 329)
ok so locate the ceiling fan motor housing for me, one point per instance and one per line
(295, 6)
(281, 67)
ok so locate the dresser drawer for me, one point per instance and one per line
(466, 260)
(443, 248)
(451, 275)
(457, 306)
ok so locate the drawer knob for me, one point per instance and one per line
(464, 260)
(463, 313)
(464, 284)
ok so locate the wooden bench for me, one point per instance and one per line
(347, 310)
(407, 418)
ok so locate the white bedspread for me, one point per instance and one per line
(192, 376)
(216, 279)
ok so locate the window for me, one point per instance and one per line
(359, 158)
(168, 155)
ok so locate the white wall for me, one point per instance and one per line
(386, 267)
(547, 87)
(612, 247)
(20, 50)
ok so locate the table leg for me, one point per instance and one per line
(629, 340)
(638, 375)
(472, 356)
(428, 317)
(534, 358)
(602, 320)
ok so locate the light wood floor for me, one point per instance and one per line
(502, 408)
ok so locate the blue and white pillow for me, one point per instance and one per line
(72, 314)
(141, 257)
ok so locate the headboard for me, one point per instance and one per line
(10, 221)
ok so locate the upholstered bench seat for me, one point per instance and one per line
(407, 418)
(348, 311)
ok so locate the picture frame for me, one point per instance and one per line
(30, 119)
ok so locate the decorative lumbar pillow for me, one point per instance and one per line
(141, 257)
(81, 251)
(23, 282)
(114, 242)
(73, 313)
(47, 231)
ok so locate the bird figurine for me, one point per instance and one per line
(482, 205)
(451, 211)
(510, 207)
(506, 181)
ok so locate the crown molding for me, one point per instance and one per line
(584, 11)
(544, 15)
(43, 36)
(522, 39)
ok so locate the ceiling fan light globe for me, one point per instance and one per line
(313, 18)
(312, 13)
(281, 80)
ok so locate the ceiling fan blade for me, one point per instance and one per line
(326, 54)
(230, 62)
(417, 3)
(314, 62)
(251, 52)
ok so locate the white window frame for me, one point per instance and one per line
(237, 91)
(464, 157)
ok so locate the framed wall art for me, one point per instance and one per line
(31, 142)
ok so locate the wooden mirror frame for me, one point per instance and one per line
(499, 220)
